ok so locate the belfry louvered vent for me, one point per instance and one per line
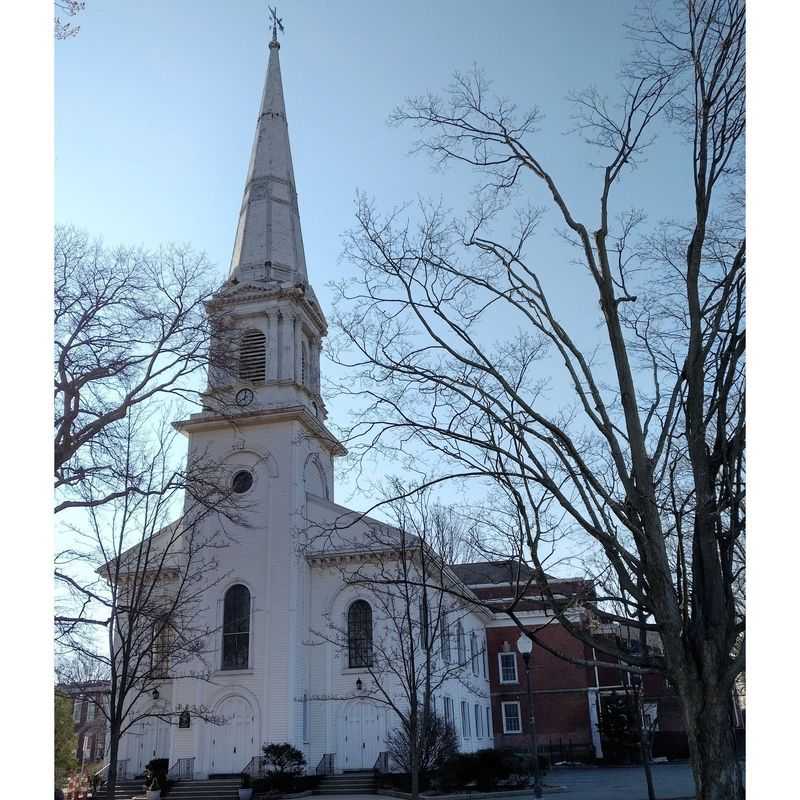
(253, 357)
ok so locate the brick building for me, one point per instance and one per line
(89, 720)
(568, 698)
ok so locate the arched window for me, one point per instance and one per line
(236, 627)
(253, 356)
(461, 644)
(359, 634)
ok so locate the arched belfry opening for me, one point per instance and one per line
(253, 356)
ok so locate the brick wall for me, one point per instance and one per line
(560, 699)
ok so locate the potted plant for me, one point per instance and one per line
(245, 790)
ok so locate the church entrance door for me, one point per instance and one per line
(152, 740)
(361, 735)
(233, 740)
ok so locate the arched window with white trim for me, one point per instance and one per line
(359, 634)
(253, 356)
(461, 645)
(236, 628)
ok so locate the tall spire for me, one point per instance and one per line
(269, 242)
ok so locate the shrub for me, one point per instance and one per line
(299, 783)
(285, 764)
(487, 769)
(437, 742)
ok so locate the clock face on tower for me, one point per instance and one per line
(244, 397)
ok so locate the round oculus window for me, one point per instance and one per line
(242, 481)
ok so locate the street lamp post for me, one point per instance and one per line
(525, 647)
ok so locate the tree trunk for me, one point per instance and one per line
(413, 738)
(113, 754)
(712, 748)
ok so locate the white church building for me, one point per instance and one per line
(292, 644)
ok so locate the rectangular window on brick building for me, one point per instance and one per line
(512, 722)
(508, 667)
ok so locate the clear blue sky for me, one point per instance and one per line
(156, 105)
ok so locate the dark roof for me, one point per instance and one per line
(84, 687)
(494, 572)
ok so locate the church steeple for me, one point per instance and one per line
(269, 242)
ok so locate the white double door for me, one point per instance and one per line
(362, 730)
(233, 741)
(150, 741)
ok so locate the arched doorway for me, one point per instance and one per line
(232, 741)
(362, 731)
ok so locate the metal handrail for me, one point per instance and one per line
(182, 770)
(256, 767)
(325, 766)
(382, 762)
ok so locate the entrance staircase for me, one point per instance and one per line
(211, 789)
(362, 781)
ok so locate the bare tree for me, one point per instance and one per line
(416, 644)
(66, 30)
(644, 471)
(130, 327)
(133, 580)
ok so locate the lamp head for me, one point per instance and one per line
(525, 644)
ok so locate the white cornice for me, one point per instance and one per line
(248, 419)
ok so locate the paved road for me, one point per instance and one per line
(621, 783)
(605, 783)
(672, 782)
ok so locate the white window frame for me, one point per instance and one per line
(445, 643)
(461, 645)
(478, 722)
(76, 709)
(466, 728)
(473, 654)
(500, 666)
(425, 641)
(489, 731)
(448, 711)
(650, 716)
(484, 658)
(503, 706)
(91, 711)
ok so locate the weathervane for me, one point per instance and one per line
(277, 23)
